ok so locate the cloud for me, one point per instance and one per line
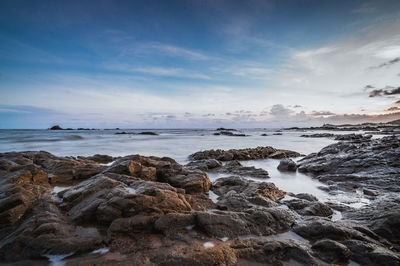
(388, 90)
(388, 63)
(328, 77)
(278, 110)
(158, 71)
(321, 113)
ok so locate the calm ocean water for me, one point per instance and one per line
(175, 143)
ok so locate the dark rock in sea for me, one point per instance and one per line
(228, 133)
(121, 133)
(372, 163)
(264, 135)
(353, 137)
(277, 134)
(288, 165)
(318, 135)
(243, 154)
(148, 133)
(225, 129)
(56, 127)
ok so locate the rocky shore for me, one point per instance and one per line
(141, 210)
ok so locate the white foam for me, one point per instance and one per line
(100, 251)
(56, 260)
(59, 189)
(208, 244)
(223, 239)
(131, 190)
(214, 197)
(337, 215)
(107, 164)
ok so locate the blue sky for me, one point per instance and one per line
(197, 63)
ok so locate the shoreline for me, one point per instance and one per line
(152, 210)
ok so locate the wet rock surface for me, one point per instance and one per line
(370, 167)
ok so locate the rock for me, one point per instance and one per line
(309, 208)
(228, 133)
(236, 168)
(371, 254)
(173, 222)
(374, 164)
(248, 188)
(369, 192)
(205, 164)
(353, 137)
(264, 135)
(135, 224)
(232, 224)
(225, 129)
(151, 210)
(331, 251)
(192, 182)
(272, 252)
(287, 165)
(56, 127)
(306, 196)
(318, 135)
(98, 158)
(382, 217)
(148, 133)
(243, 154)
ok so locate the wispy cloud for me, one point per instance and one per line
(157, 71)
(169, 50)
(387, 91)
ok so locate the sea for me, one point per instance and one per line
(180, 143)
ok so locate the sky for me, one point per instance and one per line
(196, 64)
